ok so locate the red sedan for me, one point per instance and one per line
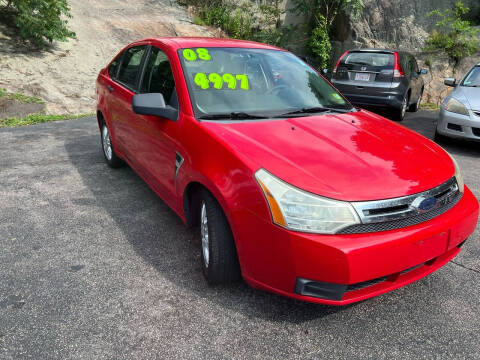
(293, 189)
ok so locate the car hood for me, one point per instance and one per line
(471, 94)
(356, 156)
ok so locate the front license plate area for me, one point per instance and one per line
(426, 249)
(362, 76)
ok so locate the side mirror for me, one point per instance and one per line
(424, 71)
(450, 81)
(153, 104)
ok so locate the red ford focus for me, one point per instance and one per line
(293, 189)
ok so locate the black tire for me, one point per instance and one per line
(399, 114)
(416, 106)
(221, 265)
(110, 156)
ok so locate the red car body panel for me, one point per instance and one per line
(362, 156)
(356, 156)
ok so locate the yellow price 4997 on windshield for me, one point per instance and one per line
(221, 81)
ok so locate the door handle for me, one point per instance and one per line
(110, 88)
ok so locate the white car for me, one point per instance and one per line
(460, 111)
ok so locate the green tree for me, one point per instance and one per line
(454, 34)
(320, 15)
(38, 21)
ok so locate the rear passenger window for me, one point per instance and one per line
(406, 65)
(158, 77)
(130, 68)
(414, 65)
(113, 68)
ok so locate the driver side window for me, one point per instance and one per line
(158, 77)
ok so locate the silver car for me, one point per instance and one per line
(460, 111)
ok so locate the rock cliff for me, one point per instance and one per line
(404, 25)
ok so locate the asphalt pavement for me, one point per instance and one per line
(93, 265)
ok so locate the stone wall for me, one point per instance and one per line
(403, 24)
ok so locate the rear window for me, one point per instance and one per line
(371, 59)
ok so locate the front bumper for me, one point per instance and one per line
(459, 126)
(365, 265)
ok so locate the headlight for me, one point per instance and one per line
(458, 174)
(453, 105)
(299, 210)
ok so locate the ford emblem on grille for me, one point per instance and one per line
(423, 204)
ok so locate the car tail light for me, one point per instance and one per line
(397, 69)
(338, 61)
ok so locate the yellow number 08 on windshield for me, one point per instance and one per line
(200, 53)
(218, 81)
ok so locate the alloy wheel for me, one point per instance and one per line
(107, 144)
(404, 106)
(204, 234)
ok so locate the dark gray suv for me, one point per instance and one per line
(380, 78)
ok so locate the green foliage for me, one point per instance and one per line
(319, 44)
(20, 97)
(454, 34)
(239, 22)
(429, 106)
(197, 20)
(328, 9)
(321, 14)
(38, 21)
(38, 119)
(236, 22)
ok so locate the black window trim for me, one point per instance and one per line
(144, 67)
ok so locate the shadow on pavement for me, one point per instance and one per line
(158, 235)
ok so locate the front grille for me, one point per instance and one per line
(476, 131)
(454, 127)
(390, 214)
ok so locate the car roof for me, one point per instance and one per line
(374, 50)
(390, 51)
(193, 42)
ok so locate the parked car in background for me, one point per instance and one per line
(291, 187)
(380, 78)
(460, 111)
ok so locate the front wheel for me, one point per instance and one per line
(219, 256)
(110, 156)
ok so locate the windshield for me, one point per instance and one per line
(473, 78)
(254, 81)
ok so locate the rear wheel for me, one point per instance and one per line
(112, 159)
(219, 256)
(399, 114)
(416, 106)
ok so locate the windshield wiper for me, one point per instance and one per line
(316, 109)
(232, 116)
